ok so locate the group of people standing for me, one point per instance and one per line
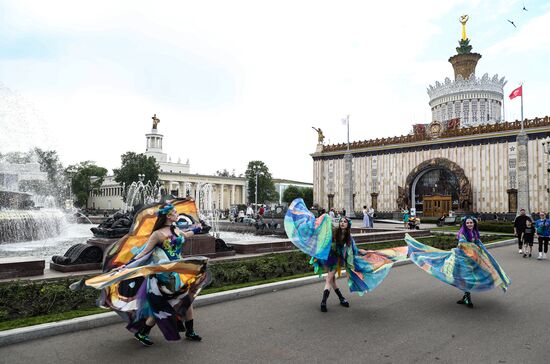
(526, 231)
(368, 217)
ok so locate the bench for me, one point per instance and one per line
(447, 221)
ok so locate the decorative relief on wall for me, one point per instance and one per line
(448, 133)
(512, 166)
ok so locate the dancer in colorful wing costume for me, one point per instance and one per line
(148, 282)
(468, 267)
(333, 249)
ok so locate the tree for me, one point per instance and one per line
(132, 165)
(86, 176)
(307, 195)
(266, 187)
(225, 173)
(49, 163)
(293, 192)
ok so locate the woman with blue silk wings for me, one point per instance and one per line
(468, 267)
(333, 249)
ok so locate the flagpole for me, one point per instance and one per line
(347, 122)
(522, 107)
(503, 110)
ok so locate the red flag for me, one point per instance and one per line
(517, 92)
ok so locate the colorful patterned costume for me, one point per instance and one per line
(314, 237)
(468, 267)
(161, 284)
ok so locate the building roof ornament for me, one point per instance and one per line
(461, 85)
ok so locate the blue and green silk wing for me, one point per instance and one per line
(311, 235)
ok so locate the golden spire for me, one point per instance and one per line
(463, 20)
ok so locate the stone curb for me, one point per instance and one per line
(28, 333)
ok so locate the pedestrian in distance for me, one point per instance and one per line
(542, 226)
(366, 217)
(519, 228)
(528, 237)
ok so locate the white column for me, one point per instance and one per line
(181, 190)
(243, 190)
(222, 204)
(232, 200)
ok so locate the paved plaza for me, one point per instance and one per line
(410, 318)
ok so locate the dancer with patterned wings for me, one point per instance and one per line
(147, 281)
(332, 249)
(469, 267)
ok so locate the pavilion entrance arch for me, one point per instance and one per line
(436, 186)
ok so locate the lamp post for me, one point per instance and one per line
(256, 193)
(547, 151)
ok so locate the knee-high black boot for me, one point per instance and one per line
(190, 334)
(342, 299)
(326, 292)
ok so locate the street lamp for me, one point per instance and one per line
(256, 197)
(547, 151)
(256, 170)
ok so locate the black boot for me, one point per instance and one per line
(143, 335)
(190, 334)
(466, 300)
(326, 292)
(180, 325)
(342, 299)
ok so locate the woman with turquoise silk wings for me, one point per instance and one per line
(468, 267)
(332, 249)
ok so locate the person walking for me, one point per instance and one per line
(528, 236)
(371, 217)
(519, 228)
(542, 226)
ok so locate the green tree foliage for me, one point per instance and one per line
(291, 193)
(294, 192)
(86, 176)
(307, 193)
(133, 164)
(225, 173)
(266, 187)
(57, 182)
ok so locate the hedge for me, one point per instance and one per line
(20, 299)
(496, 227)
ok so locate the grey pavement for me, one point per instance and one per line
(410, 318)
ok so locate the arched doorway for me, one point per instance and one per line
(435, 192)
(436, 186)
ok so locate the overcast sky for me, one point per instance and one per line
(233, 81)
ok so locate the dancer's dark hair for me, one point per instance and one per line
(342, 236)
